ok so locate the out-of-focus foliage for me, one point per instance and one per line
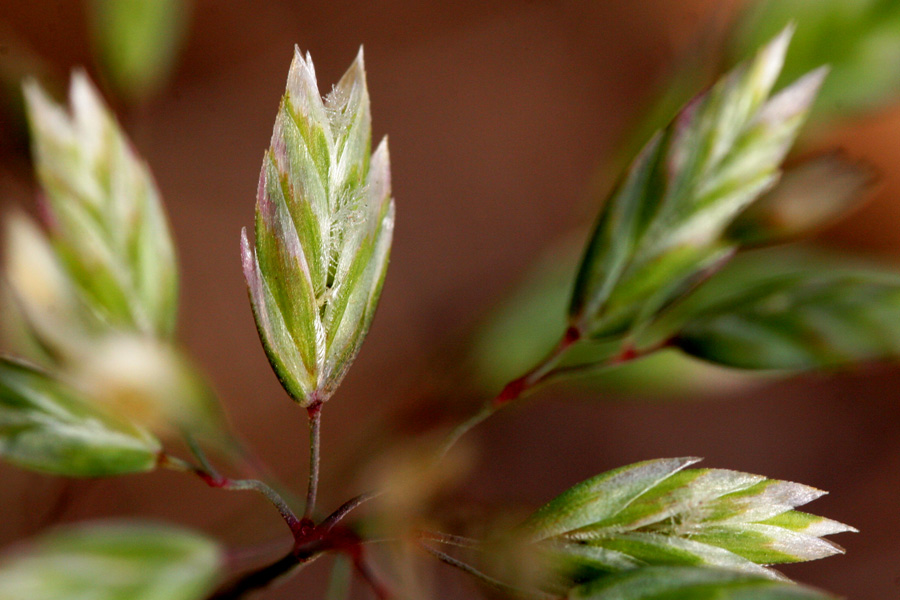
(47, 426)
(137, 41)
(692, 583)
(526, 325)
(151, 383)
(54, 320)
(113, 561)
(665, 228)
(859, 39)
(324, 224)
(96, 291)
(660, 513)
(777, 310)
(18, 61)
(107, 224)
(340, 580)
(809, 196)
(660, 233)
(520, 332)
(787, 308)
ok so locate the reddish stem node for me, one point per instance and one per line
(512, 391)
(627, 354)
(517, 387)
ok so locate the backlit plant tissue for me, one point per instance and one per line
(98, 386)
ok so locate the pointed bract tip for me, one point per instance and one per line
(245, 244)
(298, 56)
(82, 91)
(794, 99)
(79, 79)
(381, 151)
(248, 261)
(381, 159)
(261, 184)
(816, 77)
(769, 61)
(302, 73)
(379, 180)
(250, 269)
(40, 106)
(356, 72)
(31, 88)
(778, 47)
(299, 59)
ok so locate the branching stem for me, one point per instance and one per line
(258, 579)
(545, 372)
(345, 509)
(213, 479)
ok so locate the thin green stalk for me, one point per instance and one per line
(213, 479)
(345, 509)
(271, 495)
(487, 579)
(627, 355)
(450, 539)
(513, 390)
(463, 428)
(544, 373)
(197, 450)
(339, 582)
(314, 411)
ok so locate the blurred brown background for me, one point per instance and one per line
(499, 115)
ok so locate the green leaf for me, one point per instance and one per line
(137, 41)
(691, 583)
(324, 224)
(106, 221)
(113, 561)
(810, 195)
(661, 232)
(773, 313)
(856, 38)
(45, 425)
(659, 512)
